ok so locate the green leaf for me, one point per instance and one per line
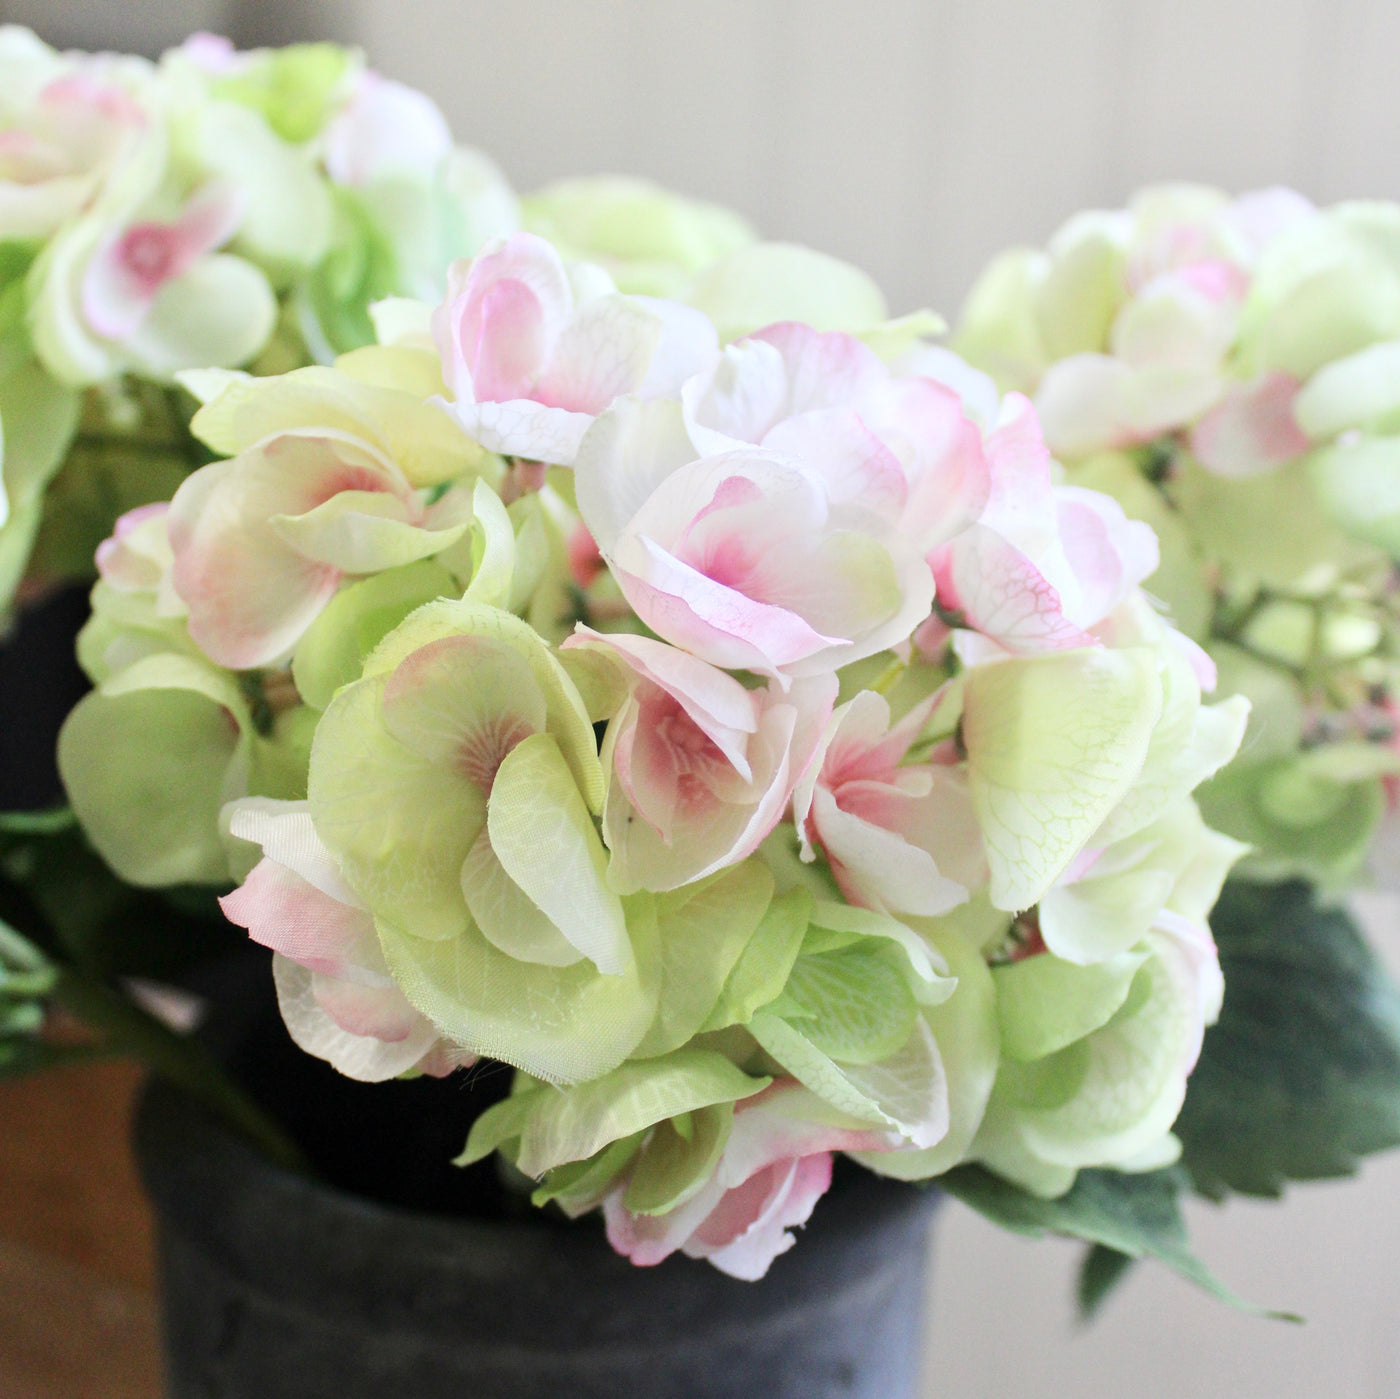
(1100, 1271)
(1136, 1215)
(1301, 1076)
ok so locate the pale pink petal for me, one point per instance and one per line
(688, 342)
(127, 273)
(875, 865)
(375, 1012)
(250, 595)
(282, 911)
(923, 423)
(787, 1206)
(601, 354)
(1252, 430)
(854, 465)
(1021, 501)
(1262, 215)
(1082, 404)
(710, 620)
(824, 369)
(510, 342)
(1002, 595)
(717, 703)
(463, 326)
(386, 129)
(521, 427)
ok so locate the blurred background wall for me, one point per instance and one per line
(914, 137)
(917, 137)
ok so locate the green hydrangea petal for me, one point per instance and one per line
(1054, 743)
(705, 929)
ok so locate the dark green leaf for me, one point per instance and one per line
(1135, 1215)
(1301, 1076)
(1100, 1271)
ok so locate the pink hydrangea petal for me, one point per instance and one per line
(948, 471)
(717, 703)
(375, 1012)
(602, 353)
(825, 369)
(712, 621)
(687, 342)
(1002, 595)
(875, 863)
(250, 594)
(1252, 430)
(457, 324)
(510, 341)
(386, 129)
(282, 911)
(856, 468)
(1021, 499)
(788, 1204)
(127, 273)
(520, 427)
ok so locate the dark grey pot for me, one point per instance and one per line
(278, 1287)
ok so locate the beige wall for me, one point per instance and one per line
(913, 136)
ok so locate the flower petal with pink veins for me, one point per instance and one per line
(855, 466)
(824, 368)
(520, 427)
(601, 354)
(1021, 501)
(1252, 429)
(1002, 595)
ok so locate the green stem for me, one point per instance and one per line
(179, 1059)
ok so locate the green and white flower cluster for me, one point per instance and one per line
(1229, 370)
(732, 726)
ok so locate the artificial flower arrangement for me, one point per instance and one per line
(653, 669)
(567, 690)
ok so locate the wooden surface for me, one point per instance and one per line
(77, 1305)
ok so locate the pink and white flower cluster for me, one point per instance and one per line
(668, 703)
